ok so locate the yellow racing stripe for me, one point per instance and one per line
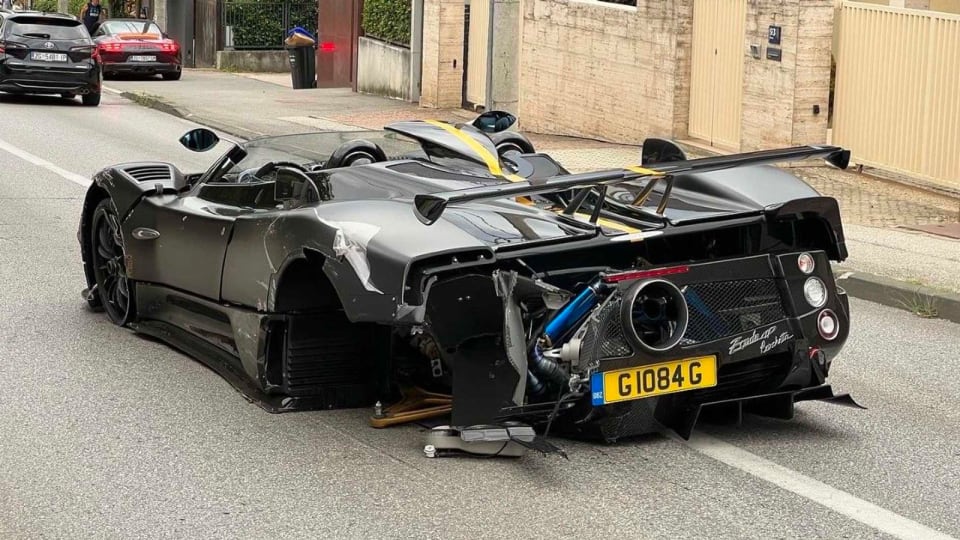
(492, 162)
(493, 165)
(641, 170)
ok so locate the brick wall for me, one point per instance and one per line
(603, 70)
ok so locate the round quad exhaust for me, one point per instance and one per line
(654, 315)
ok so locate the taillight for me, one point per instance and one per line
(111, 46)
(6, 46)
(640, 274)
(170, 46)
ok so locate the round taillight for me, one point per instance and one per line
(805, 263)
(828, 325)
(815, 292)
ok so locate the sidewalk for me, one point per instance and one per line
(888, 263)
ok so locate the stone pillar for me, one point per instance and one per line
(505, 57)
(63, 6)
(785, 102)
(160, 13)
(442, 66)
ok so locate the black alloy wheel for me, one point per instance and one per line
(116, 290)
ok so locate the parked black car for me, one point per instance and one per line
(456, 264)
(48, 54)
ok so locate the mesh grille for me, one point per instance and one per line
(612, 344)
(723, 308)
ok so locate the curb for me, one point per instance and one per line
(153, 102)
(899, 294)
(873, 288)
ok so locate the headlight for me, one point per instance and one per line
(805, 263)
(815, 292)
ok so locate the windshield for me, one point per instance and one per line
(131, 27)
(314, 149)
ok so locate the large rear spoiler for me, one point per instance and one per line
(429, 207)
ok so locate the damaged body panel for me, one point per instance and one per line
(460, 266)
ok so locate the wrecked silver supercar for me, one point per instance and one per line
(457, 274)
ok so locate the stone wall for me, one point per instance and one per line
(603, 70)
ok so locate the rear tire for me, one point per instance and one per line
(91, 100)
(172, 76)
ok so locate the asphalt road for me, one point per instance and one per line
(106, 434)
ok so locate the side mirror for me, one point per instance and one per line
(494, 121)
(199, 140)
(660, 151)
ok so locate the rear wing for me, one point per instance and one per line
(429, 207)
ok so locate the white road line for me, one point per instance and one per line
(837, 500)
(40, 162)
(111, 90)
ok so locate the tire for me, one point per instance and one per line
(91, 100)
(173, 76)
(116, 291)
(68, 95)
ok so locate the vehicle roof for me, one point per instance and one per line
(14, 15)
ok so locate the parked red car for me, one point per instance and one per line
(136, 46)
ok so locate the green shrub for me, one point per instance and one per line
(261, 25)
(387, 20)
(53, 5)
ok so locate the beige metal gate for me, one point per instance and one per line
(716, 84)
(477, 51)
(897, 96)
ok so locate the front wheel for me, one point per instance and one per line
(115, 289)
(91, 100)
(172, 76)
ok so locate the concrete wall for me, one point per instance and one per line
(604, 70)
(442, 73)
(778, 97)
(383, 69)
(254, 61)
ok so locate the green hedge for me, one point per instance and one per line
(53, 5)
(257, 25)
(387, 20)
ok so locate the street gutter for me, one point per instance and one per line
(919, 300)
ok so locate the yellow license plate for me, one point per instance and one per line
(654, 380)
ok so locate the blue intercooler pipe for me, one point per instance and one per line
(542, 369)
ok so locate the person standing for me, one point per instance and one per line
(91, 15)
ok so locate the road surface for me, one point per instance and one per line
(104, 434)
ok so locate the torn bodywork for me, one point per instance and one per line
(469, 279)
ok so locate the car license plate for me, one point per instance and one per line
(654, 380)
(143, 58)
(48, 56)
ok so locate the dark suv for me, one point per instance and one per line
(49, 54)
